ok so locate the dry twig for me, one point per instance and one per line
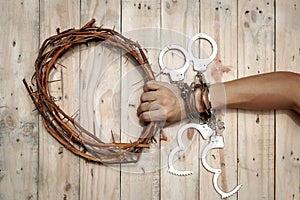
(64, 128)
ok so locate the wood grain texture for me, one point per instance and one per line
(256, 129)
(219, 20)
(59, 168)
(287, 123)
(99, 72)
(141, 180)
(181, 20)
(261, 149)
(18, 124)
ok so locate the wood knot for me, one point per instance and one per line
(253, 16)
(9, 121)
(27, 128)
(60, 151)
(67, 186)
(246, 25)
(168, 5)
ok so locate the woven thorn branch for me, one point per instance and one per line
(63, 127)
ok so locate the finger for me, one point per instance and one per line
(147, 106)
(142, 108)
(152, 85)
(152, 116)
(148, 96)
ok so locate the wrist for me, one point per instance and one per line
(198, 98)
(202, 100)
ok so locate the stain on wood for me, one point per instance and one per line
(262, 148)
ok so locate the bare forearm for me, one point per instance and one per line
(279, 90)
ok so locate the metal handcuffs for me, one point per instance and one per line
(200, 65)
(215, 142)
(209, 130)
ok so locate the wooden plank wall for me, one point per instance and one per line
(262, 148)
(256, 153)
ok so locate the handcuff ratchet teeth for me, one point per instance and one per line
(204, 130)
(211, 126)
(216, 142)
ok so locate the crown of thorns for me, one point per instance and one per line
(63, 127)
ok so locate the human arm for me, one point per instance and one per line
(161, 102)
(276, 90)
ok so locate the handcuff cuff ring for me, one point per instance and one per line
(175, 74)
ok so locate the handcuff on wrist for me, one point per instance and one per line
(209, 126)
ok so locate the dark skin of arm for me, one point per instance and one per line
(276, 90)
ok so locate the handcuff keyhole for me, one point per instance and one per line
(202, 48)
(174, 59)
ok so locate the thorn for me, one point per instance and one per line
(137, 82)
(53, 81)
(112, 135)
(159, 73)
(162, 135)
(127, 58)
(153, 140)
(75, 114)
(62, 65)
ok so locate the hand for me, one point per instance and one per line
(161, 102)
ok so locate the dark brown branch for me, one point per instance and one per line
(64, 128)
